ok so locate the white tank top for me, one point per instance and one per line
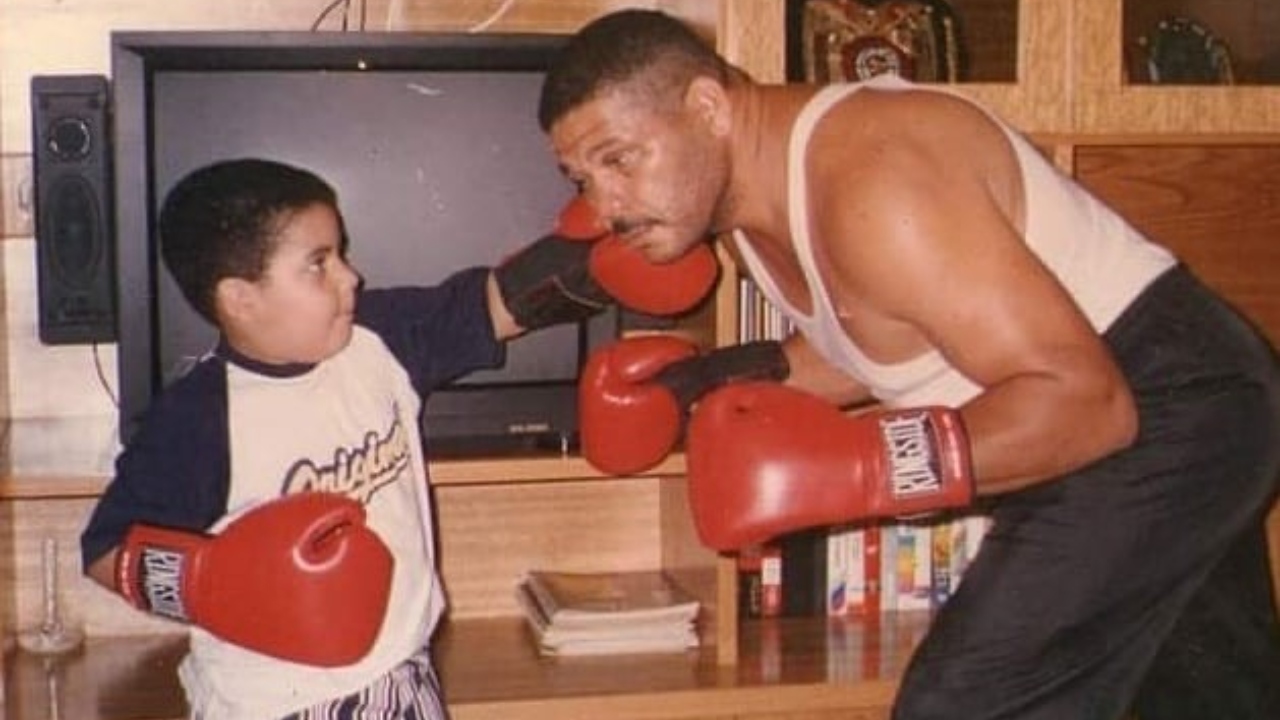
(1075, 235)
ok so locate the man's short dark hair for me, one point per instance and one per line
(647, 49)
(221, 221)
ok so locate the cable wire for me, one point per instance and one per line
(494, 17)
(102, 376)
(346, 4)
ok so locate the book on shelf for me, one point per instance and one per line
(853, 571)
(760, 581)
(608, 612)
(804, 573)
(860, 570)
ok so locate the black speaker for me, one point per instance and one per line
(71, 164)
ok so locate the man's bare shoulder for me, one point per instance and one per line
(907, 172)
(917, 118)
(906, 141)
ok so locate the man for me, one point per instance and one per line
(1119, 419)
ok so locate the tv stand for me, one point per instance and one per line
(507, 447)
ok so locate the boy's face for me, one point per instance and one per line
(301, 309)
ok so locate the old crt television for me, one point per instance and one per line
(432, 143)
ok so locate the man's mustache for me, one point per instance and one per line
(624, 226)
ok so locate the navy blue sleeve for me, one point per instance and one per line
(438, 333)
(175, 471)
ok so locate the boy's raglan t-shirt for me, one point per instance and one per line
(231, 434)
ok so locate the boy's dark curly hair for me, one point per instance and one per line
(221, 220)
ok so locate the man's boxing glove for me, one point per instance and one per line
(300, 578)
(579, 269)
(765, 460)
(634, 393)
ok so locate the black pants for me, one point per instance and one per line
(1140, 583)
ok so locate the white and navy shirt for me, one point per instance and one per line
(233, 433)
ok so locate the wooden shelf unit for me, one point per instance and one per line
(1148, 150)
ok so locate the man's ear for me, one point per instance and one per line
(236, 299)
(709, 102)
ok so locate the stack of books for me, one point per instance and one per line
(608, 613)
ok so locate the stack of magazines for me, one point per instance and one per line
(608, 613)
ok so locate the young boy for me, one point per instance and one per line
(275, 497)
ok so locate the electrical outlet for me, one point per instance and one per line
(17, 191)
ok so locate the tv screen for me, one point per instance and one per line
(432, 144)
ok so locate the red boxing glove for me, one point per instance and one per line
(300, 578)
(577, 221)
(628, 422)
(579, 269)
(631, 279)
(766, 460)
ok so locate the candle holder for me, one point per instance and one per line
(51, 636)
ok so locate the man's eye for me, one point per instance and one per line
(619, 161)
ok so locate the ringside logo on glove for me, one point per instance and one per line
(163, 570)
(911, 439)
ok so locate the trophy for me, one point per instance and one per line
(849, 40)
(1182, 51)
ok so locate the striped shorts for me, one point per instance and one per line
(410, 691)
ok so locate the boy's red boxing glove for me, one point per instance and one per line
(765, 460)
(656, 289)
(579, 269)
(300, 578)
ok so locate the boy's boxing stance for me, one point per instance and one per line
(275, 496)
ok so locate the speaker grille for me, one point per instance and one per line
(74, 219)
